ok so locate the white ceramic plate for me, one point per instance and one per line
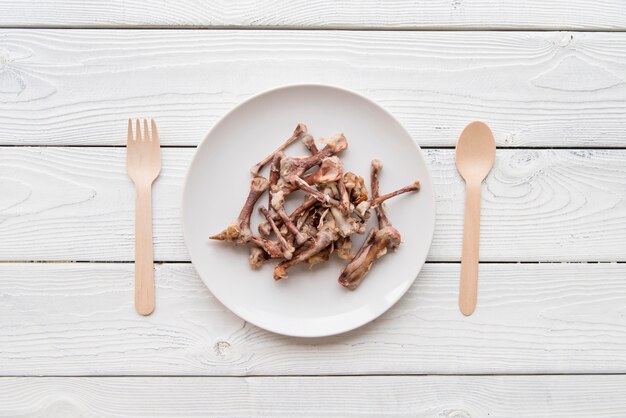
(310, 303)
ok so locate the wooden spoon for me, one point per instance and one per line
(475, 154)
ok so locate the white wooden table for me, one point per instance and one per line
(549, 335)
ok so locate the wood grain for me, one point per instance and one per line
(474, 156)
(540, 89)
(61, 87)
(143, 164)
(396, 14)
(398, 396)
(538, 205)
(79, 319)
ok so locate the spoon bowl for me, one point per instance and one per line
(475, 152)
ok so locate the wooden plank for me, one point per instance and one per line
(396, 14)
(534, 89)
(79, 319)
(538, 205)
(398, 396)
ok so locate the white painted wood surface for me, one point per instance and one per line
(538, 205)
(548, 89)
(375, 396)
(394, 14)
(79, 319)
(535, 88)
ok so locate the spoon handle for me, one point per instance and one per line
(468, 292)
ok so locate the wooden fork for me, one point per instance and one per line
(143, 163)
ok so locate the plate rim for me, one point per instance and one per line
(357, 324)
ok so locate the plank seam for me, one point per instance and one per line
(321, 28)
(427, 147)
(8, 262)
(295, 376)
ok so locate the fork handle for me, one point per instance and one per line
(468, 292)
(144, 259)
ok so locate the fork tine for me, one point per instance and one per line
(155, 134)
(130, 139)
(146, 132)
(138, 136)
